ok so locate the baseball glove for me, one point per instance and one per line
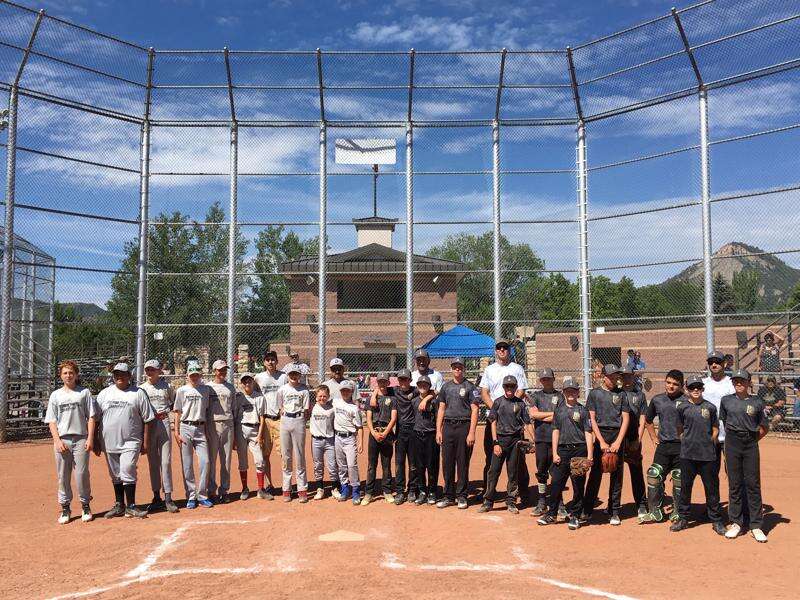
(526, 446)
(579, 466)
(610, 462)
(633, 452)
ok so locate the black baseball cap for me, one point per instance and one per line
(501, 344)
(424, 379)
(457, 361)
(694, 380)
(716, 356)
(421, 353)
(546, 373)
(611, 369)
(404, 374)
(741, 374)
(509, 380)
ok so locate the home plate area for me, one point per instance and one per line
(283, 554)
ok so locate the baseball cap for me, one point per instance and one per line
(424, 379)
(152, 364)
(546, 374)
(694, 380)
(293, 368)
(570, 383)
(193, 367)
(383, 376)
(421, 353)
(336, 362)
(457, 361)
(244, 376)
(404, 374)
(741, 374)
(509, 380)
(611, 369)
(271, 354)
(121, 367)
(716, 355)
(501, 344)
(294, 353)
(347, 385)
(219, 364)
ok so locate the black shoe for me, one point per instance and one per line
(719, 528)
(546, 519)
(171, 506)
(573, 523)
(421, 499)
(115, 511)
(679, 525)
(412, 497)
(400, 498)
(133, 512)
(541, 507)
(156, 504)
(223, 499)
(512, 508)
(485, 507)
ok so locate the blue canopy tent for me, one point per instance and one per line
(461, 341)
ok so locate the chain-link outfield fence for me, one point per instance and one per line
(638, 192)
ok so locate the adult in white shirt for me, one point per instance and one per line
(715, 386)
(492, 387)
(337, 377)
(423, 360)
(301, 367)
(270, 380)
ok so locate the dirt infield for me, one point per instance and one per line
(274, 549)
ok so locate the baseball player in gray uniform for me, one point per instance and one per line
(294, 401)
(159, 451)
(336, 379)
(348, 427)
(250, 431)
(124, 409)
(192, 414)
(322, 440)
(221, 434)
(269, 380)
(70, 417)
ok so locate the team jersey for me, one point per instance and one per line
(347, 416)
(322, 417)
(425, 420)
(292, 399)
(545, 402)
(666, 409)
(161, 395)
(743, 415)
(697, 421)
(511, 415)
(335, 387)
(192, 402)
(572, 423)
(608, 407)
(249, 409)
(382, 413)
(269, 385)
(405, 406)
(70, 410)
(458, 399)
(222, 398)
(123, 413)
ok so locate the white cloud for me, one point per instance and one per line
(436, 32)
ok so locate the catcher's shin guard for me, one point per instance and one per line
(655, 491)
(676, 492)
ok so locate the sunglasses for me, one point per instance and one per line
(695, 387)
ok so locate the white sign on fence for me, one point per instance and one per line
(365, 152)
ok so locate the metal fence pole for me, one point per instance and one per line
(705, 176)
(498, 332)
(583, 235)
(144, 243)
(323, 234)
(409, 245)
(232, 249)
(23, 314)
(31, 318)
(50, 323)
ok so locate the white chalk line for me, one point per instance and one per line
(586, 590)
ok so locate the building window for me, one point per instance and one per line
(370, 295)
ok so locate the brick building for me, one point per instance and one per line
(366, 300)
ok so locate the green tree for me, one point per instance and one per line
(794, 298)
(75, 337)
(724, 301)
(746, 285)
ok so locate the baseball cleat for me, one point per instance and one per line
(431, 500)
(679, 525)
(642, 512)
(245, 494)
(115, 511)
(335, 491)
(65, 515)
(759, 536)
(86, 513)
(205, 503)
(303, 496)
(718, 528)
(614, 520)
(320, 494)
(400, 499)
(287, 496)
(573, 523)
(155, 504)
(462, 503)
(540, 508)
(222, 499)
(356, 496)
(389, 498)
(190, 504)
(132, 512)
(485, 507)
(444, 503)
(365, 500)
(421, 499)
(412, 497)
(546, 519)
(171, 506)
(512, 508)
(344, 493)
(562, 512)
(733, 531)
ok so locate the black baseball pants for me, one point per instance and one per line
(425, 452)
(376, 449)
(560, 474)
(404, 453)
(455, 454)
(743, 462)
(510, 455)
(596, 475)
(707, 469)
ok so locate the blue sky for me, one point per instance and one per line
(762, 163)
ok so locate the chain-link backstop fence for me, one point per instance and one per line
(633, 198)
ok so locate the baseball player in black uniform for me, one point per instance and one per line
(610, 416)
(637, 402)
(509, 418)
(571, 437)
(746, 424)
(543, 406)
(403, 447)
(381, 421)
(425, 449)
(456, 420)
(666, 459)
(698, 427)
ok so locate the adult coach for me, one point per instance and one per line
(422, 360)
(334, 384)
(456, 420)
(491, 388)
(270, 380)
(159, 451)
(715, 387)
(221, 432)
(123, 410)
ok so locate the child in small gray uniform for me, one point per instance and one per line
(322, 440)
(348, 427)
(70, 416)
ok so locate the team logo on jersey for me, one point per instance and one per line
(677, 403)
(476, 394)
(388, 402)
(462, 392)
(516, 407)
(576, 416)
(553, 400)
(750, 410)
(615, 399)
(705, 413)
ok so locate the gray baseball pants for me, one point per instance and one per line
(293, 444)
(194, 442)
(247, 440)
(220, 445)
(75, 458)
(324, 455)
(159, 456)
(347, 460)
(122, 465)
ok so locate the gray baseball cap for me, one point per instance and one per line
(424, 379)
(404, 374)
(694, 380)
(347, 384)
(219, 364)
(336, 362)
(716, 355)
(152, 364)
(611, 369)
(546, 374)
(570, 383)
(244, 376)
(741, 374)
(382, 376)
(501, 344)
(510, 380)
(121, 367)
(293, 368)
(421, 353)
(457, 361)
